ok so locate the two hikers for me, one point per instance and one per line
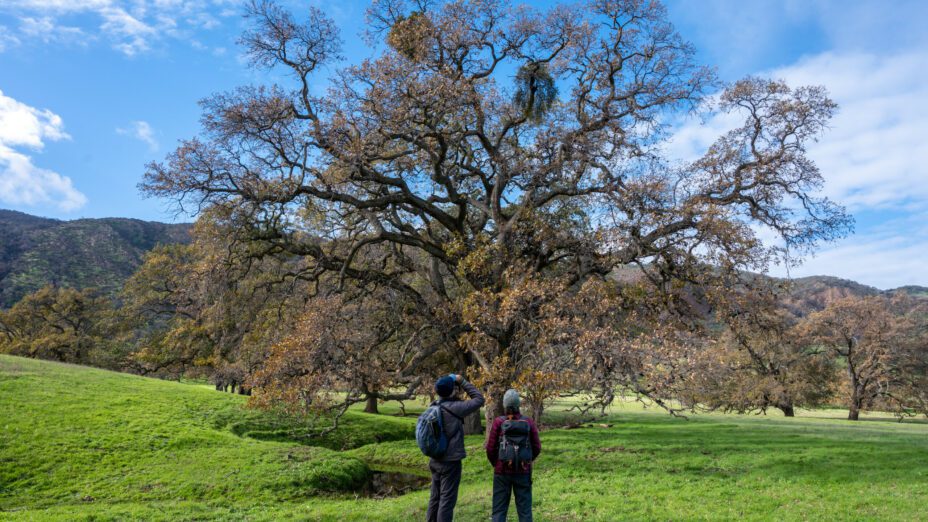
(512, 445)
(446, 467)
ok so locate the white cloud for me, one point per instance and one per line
(887, 256)
(736, 35)
(131, 26)
(22, 125)
(46, 30)
(22, 182)
(7, 40)
(873, 154)
(872, 157)
(142, 131)
(133, 34)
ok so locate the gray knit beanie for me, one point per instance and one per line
(511, 400)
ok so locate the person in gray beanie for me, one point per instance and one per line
(512, 447)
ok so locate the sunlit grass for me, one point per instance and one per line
(84, 444)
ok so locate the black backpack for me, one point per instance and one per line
(515, 447)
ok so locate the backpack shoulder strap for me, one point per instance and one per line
(455, 415)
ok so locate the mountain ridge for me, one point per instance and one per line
(104, 252)
(80, 253)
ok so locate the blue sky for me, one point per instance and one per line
(91, 90)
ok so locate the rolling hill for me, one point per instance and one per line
(102, 253)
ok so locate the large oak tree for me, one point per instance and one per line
(492, 161)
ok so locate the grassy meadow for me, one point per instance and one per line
(79, 443)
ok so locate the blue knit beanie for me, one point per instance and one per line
(444, 386)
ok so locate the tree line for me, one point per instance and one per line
(490, 193)
(190, 312)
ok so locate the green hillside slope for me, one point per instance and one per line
(81, 253)
(85, 444)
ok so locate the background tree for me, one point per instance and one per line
(343, 352)
(426, 173)
(875, 339)
(914, 375)
(61, 324)
(190, 310)
(760, 358)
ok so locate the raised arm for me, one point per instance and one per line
(471, 405)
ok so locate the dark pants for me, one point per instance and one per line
(506, 485)
(446, 477)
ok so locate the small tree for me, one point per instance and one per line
(874, 339)
(60, 324)
(760, 358)
(539, 387)
(343, 352)
(189, 309)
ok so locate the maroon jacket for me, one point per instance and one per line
(504, 468)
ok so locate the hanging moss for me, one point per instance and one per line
(535, 92)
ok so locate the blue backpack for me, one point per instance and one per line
(430, 431)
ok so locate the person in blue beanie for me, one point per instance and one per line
(446, 470)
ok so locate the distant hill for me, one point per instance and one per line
(102, 253)
(807, 294)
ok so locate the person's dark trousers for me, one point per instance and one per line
(505, 486)
(446, 477)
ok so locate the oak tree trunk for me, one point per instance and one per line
(494, 406)
(370, 406)
(472, 424)
(538, 408)
(854, 413)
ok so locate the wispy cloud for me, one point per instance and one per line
(7, 40)
(130, 26)
(142, 131)
(887, 256)
(22, 182)
(874, 154)
(872, 157)
(46, 30)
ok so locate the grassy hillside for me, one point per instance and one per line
(82, 253)
(85, 444)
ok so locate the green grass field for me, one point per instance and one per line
(85, 444)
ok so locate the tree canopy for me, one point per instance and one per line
(495, 167)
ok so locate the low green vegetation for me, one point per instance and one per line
(85, 444)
